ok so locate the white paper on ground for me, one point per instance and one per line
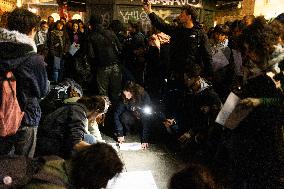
(133, 179)
(127, 146)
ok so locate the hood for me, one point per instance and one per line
(276, 57)
(272, 65)
(204, 85)
(14, 48)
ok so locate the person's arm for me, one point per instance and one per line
(117, 122)
(75, 127)
(41, 78)
(206, 55)
(157, 22)
(254, 102)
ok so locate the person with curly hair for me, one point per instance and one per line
(253, 145)
(129, 113)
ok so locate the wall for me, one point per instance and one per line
(230, 15)
(125, 10)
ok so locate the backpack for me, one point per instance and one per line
(11, 114)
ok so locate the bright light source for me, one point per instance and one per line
(147, 110)
(33, 10)
(55, 16)
(19, 3)
(76, 17)
(268, 9)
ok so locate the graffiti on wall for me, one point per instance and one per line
(104, 10)
(174, 2)
(136, 14)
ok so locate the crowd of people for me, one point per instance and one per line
(172, 80)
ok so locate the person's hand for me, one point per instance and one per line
(144, 146)
(185, 137)
(168, 123)
(147, 7)
(121, 139)
(251, 102)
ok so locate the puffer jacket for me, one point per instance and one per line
(18, 54)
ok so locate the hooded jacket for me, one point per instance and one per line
(18, 54)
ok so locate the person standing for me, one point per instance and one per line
(189, 43)
(59, 47)
(18, 53)
(103, 54)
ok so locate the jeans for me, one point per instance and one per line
(91, 139)
(22, 143)
(58, 68)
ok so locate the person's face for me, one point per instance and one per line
(62, 20)
(192, 82)
(130, 29)
(221, 37)
(59, 26)
(128, 95)
(183, 17)
(44, 27)
(50, 20)
(81, 25)
(75, 27)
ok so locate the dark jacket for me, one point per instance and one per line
(253, 145)
(188, 46)
(132, 107)
(103, 47)
(61, 130)
(59, 43)
(191, 114)
(18, 53)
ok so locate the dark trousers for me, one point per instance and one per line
(22, 143)
(109, 80)
(134, 124)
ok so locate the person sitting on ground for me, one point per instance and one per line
(65, 130)
(198, 109)
(129, 112)
(90, 168)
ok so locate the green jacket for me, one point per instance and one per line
(55, 174)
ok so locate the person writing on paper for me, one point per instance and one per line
(65, 131)
(198, 109)
(130, 113)
(253, 145)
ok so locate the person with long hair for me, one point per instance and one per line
(128, 115)
(253, 145)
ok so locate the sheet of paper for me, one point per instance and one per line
(239, 113)
(134, 179)
(127, 146)
(227, 108)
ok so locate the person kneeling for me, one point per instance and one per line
(65, 131)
